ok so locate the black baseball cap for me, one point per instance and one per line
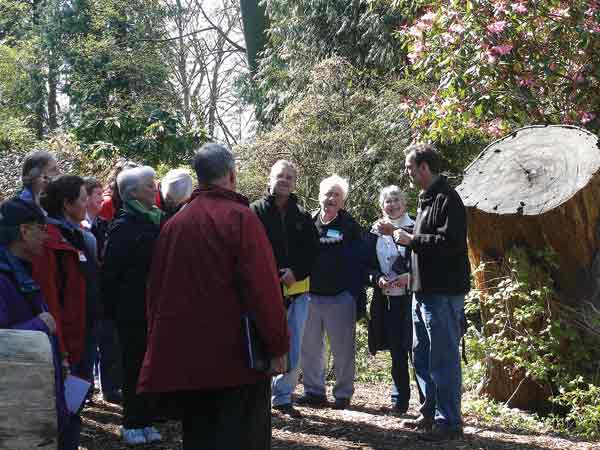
(16, 211)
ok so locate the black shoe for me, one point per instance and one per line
(442, 434)
(341, 403)
(420, 424)
(114, 397)
(399, 409)
(312, 400)
(288, 410)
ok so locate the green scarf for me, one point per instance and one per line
(153, 214)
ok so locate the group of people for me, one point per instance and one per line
(147, 283)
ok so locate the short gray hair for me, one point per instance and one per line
(33, 165)
(280, 165)
(177, 184)
(391, 190)
(334, 180)
(212, 161)
(129, 180)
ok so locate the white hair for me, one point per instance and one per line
(391, 190)
(334, 180)
(177, 184)
(129, 180)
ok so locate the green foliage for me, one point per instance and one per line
(488, 412)
(153, 138)
(342, 125)
(302, 33)
(582, 401)
(522, 330)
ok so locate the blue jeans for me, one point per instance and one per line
(284, 385)
(437, 328)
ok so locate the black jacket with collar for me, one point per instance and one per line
(440, 263)
(127, 259)
(293, 236)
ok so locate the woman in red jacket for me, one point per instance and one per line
(60, 272)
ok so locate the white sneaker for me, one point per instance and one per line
(152, 434)
(133, 436)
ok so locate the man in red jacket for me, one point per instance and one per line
(213, 263)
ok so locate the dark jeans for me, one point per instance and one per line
(397, 321)
(228, 419)
(109, 363)
(136, 408)
(438, 326)
(70, 435)
(85, 367)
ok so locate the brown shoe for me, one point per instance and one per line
(420, 423)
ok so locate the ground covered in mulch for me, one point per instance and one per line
(367, 424)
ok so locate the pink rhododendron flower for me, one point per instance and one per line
(519, 8)
(416, 53)
(502, 49)
(586, 117)
(497, 27)
(456, 28)
(526, 81)
(429, 17)
(499, 8)
(494, 128)
(404, 106)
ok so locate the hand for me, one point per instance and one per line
(386, 228)
(278, 364)
(402, 237)
(400, 282)
(49, 321)
(383, 282)
(287, 277)
(66, 368)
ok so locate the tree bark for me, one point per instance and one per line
(536, 188)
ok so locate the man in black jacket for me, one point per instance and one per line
(294, 239)
(440, 278)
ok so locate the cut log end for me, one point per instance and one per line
(524, 174)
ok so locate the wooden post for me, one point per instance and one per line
(27, 395)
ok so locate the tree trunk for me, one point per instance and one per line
(28, 414)
(536, 188)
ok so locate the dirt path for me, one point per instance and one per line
(367, 425)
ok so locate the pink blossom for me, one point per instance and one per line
(404, 106)
(499, 8)
(497, 27)
(586, 117)
(416, 53)
(519, 8)
(494, 128)
(502, 50)
(429, 17)
(491, 57)
(526, 81)
(456, 28)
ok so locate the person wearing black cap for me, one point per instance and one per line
(22, 306)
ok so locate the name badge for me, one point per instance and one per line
(335, 234)
(82, 257)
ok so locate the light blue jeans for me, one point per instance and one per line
(437, 328)
(284, 385)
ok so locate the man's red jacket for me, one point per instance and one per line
(212, 262)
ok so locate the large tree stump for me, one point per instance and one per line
(27, 398)
(537, 188)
